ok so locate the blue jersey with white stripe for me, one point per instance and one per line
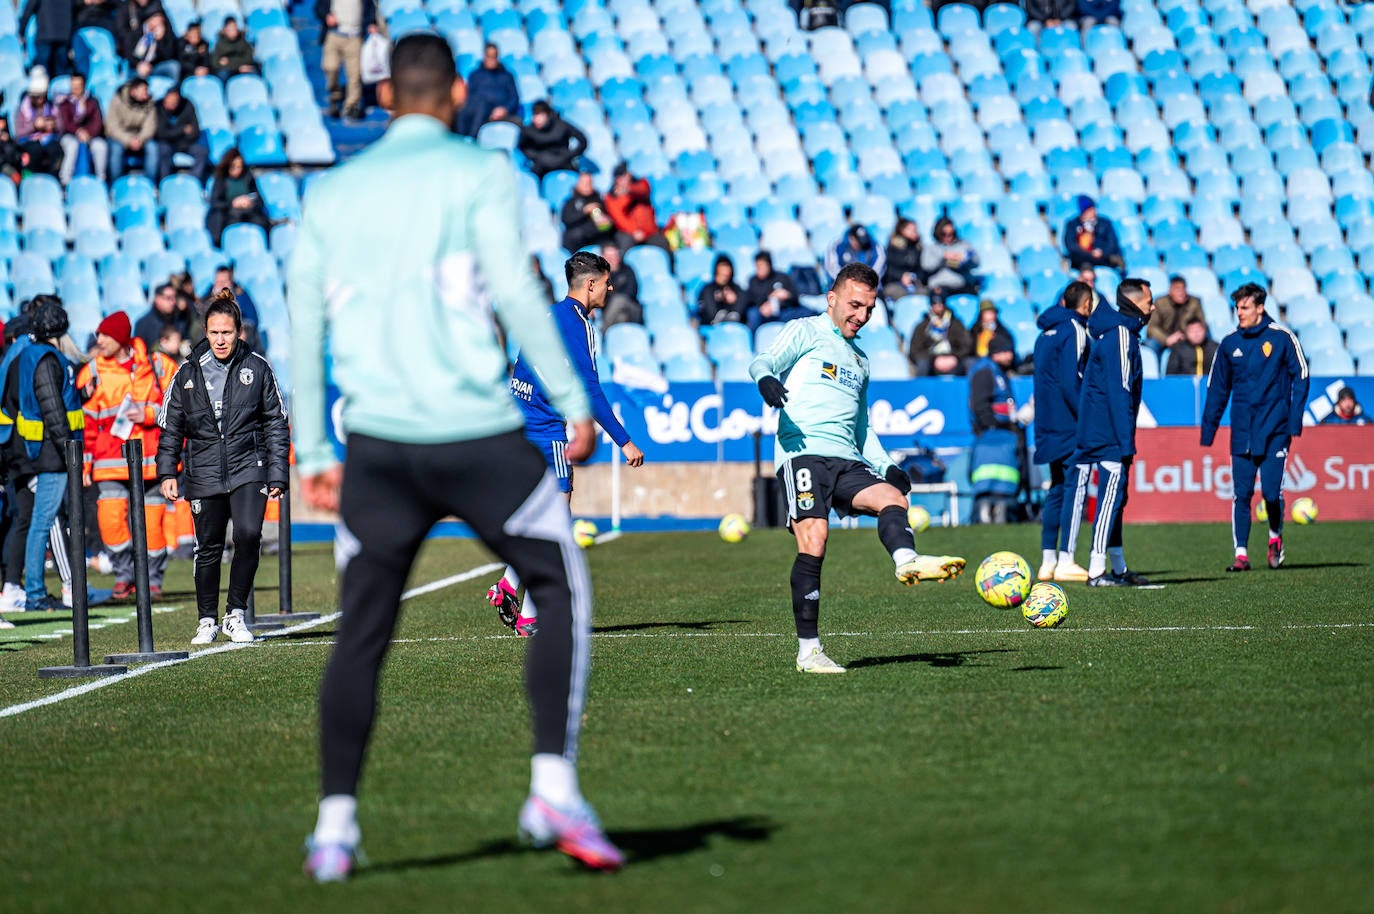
(1263, 372)
(542, 421)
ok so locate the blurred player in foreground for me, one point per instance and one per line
(589, 282)
(827, 456)
(394, 250)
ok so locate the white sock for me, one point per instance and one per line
(337, 823)
(1097, 565)
(1048, 557)
(527, 610)
(511, 578)
(1242, 553)
(1065, 558)
(554, 779)
(1118, 560)
(805, 646)
(902, 556)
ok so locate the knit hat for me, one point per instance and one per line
(38, 81)
(117, 327)
(1000, 342)
(1085, 203)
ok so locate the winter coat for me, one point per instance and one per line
(54, 20)
(940, 274)
(1110, 399)
(633, 211)
(487, 91)
(843, 254)
(193, 56)
(109, 383)
(128, 120)
(27, 114)
(128, 22)
(50, 376)
(1042, 10)
(1263, 372)
(1061, 353)
(758, 291)
(178, 128)
(579, 228)
(83, 113)
(712, 308)
(1103, 239)
(928, 340)
(248, 444)
(1171, 318)
(903, 256)
(223, 192)
(990, 400)
(548, 149)
(231, 54)
(147, 49)
(1186, 359)
(1099, 9)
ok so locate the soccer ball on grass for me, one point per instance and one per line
(1003, 580)
(1046, 606)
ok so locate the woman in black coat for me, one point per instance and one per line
(223, 404)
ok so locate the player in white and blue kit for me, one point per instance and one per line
(827, 455)
(589, 282)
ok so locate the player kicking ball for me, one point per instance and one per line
(827, 456)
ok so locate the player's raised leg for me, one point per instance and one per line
(889, 504)
(1271, 487)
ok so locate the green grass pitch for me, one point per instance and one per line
(1208, 746)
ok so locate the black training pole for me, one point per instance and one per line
(138, 526)
(284, 564)
(76, 548)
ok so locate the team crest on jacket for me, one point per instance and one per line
(1267, 348)
(195, 506)
(245, 376)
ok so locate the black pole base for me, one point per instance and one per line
(79, 672)
(293, 617)
(261, 626)
(147, 657)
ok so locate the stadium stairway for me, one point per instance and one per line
(349, 137)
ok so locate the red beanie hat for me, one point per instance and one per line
(117, 328)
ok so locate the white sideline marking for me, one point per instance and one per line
(94, 684)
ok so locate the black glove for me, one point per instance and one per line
(897, 478)
(774, 394)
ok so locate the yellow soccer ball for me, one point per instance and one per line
(1304, 511)
(918, 518)
(733, 528)
(1003, 580)
(584, 532)
(1261, 511)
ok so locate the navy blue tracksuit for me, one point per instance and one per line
(1061, 353)
(1263, 372)
(1107, 409)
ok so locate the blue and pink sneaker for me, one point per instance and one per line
(573, 830)
(329, 862)
(503, 597)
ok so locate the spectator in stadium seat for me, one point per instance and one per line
(989, 326)
(819, 14)
(720, 300)
(492, 94)
(344, 24)
(193, 51)
(1348, 411)
(771, 295)
(1173, 313)
(163, 312)
(130, 127)
(1041, 13)
(1193, 354)
(224, 279)
(36, 128)
(234, 197)
(82, 128)
(53, 36)
(11, 156)
(178, 133)
(232, 54)
(622, 302)
(1090, 238)
(129, 18)
(585, 220)
(549, 142)
(940, 343)
(903, 273)
(855, 246)
(155, 50)
(1098, 12)
(632, 210)
(949, 261)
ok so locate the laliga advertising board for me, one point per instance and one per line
(1177, 479)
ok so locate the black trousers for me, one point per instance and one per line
(211, 515)
(392, 495)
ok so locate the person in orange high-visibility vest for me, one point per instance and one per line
(123, 388)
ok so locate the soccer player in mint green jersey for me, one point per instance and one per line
(827, 456)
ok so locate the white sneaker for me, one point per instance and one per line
(817, 662)
(12, 599)
(5, 623)
(206, 632)
(1046, 572)
(235, 628)
(1070, 572)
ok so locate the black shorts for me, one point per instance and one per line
(814, 485)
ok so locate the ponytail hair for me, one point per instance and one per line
(225, 303)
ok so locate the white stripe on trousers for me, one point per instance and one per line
(1108, 506)
(1081, 474)
(57, 540)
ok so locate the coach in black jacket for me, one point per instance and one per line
(224, 405)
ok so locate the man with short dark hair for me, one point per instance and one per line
(1061, 354)
(1347, 411)
(622, 304)
(940, 343)
(855, 246)
(827, 455)
(1260, 368)
(433, 432)
(549, 142)
(1173, 313)
(82, 127)
(178, 133)
(770, 295)
(163, 312)
(492, 94)
(1193, 354)
(1107, 410)
(130, 127)
(1090, 238)
(631, 207)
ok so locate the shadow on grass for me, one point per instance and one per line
(1324, 564)
(1168, 580)
(309, 634)
(944, 658)
(704, 626)
(639, 845)
(1034, 669)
